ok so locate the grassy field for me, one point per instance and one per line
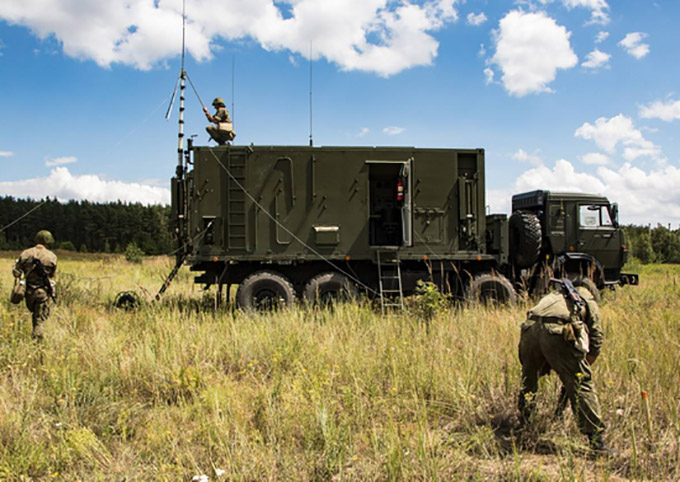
(174, 390)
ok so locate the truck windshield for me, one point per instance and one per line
(595, 216)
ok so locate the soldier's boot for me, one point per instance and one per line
(598, 446)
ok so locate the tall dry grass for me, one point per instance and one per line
(174, 390)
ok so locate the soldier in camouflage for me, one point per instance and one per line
(561, 335)
(39, 265)
(223, 130)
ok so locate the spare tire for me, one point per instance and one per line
(263, 291)
(525, 239)
(491, 288)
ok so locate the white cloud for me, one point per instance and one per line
(596, 158)
(632, 43)
(599, 9)
(65, 186)
(60, 161)
(381, 36)
(530, 48)
(6, 154)
(488, 76)
(476, 19)
(666, 111)
(596, 59)
(523, 156)
(608, 134)
(601, 37)
(363, 132)
(643, 196)
(393, 130)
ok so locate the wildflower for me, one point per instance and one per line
(619, 412)
(355, 458)
(200, 478)
(394, 389)
(219, 472)
(579, 375)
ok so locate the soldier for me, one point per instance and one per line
(39, 265)
(564, 333)
(223, 131)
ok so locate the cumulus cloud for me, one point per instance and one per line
(60, 161)
(523, 156)
(6, 154)
(601, 37)
(381, 36)
(619, 130)
(530, 48)
(666, 111)
(643, 196)
(599, 9)
(596, 158)
(363, 132)
(393, 130)
(596, 59)
(65, 186)
(476, 19)
(632, 43)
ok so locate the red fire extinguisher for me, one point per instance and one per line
(400, 191)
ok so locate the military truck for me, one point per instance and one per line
(555, 234)
(317, 223)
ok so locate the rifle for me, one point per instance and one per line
(569, 292)
(40, 269)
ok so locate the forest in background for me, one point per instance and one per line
(110, 227)
(86, 226)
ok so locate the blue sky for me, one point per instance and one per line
(563, 94)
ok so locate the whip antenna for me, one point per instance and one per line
(233, 83)
(311, 142)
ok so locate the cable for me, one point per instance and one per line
(23, 216)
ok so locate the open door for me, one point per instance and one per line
(407, 208)
(390, 203)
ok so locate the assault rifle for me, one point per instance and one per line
(570, 293)
(47, 283)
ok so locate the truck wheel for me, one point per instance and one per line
(491, 288)
(264, 290)
(525, 238)
(327, 288)
(588, 284)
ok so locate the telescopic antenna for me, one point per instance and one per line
(311, 141)
(182, 86)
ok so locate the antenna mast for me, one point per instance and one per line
(311, 142)
(233, 75)
(182, 86)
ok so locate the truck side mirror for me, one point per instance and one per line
(614, 212)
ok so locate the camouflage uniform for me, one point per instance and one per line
(37, 298)
(224, 130)
(554, 337)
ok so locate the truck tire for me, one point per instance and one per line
(587, 283)
(491, 288)
(264, 290)
(327, 288)
(525, 238)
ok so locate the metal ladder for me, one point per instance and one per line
(236, 201)
(389, 278)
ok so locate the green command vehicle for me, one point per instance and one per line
(315, 223)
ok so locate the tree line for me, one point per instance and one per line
(86, 226)
(111, 227)
(653, 245)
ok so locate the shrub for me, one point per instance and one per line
(133, 253)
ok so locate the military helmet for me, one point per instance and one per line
(44, 237)
(219, 102)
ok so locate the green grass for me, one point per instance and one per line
(175, 390)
